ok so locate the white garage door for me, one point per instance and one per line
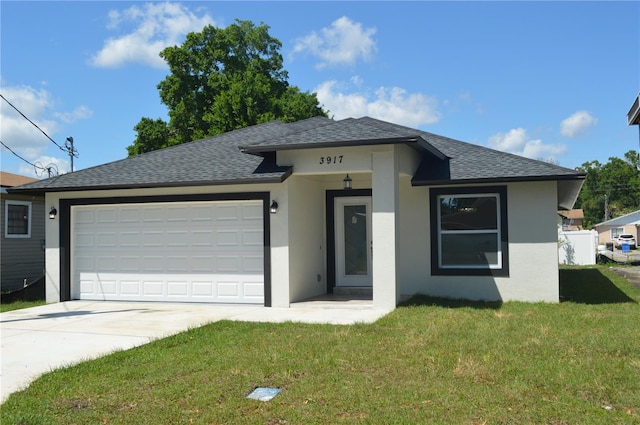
(184, 252)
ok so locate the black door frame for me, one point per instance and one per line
(65, 228)
(331, 196)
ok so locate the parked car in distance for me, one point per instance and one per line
(625, 239)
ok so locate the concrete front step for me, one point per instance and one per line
(353, 290)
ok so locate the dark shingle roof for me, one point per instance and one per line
(349, 132)
(245, 156)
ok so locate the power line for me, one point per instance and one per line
(49, 169)
(68, 149)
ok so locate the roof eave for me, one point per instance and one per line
(515, 179)
(261, 149)
(633, 116)
(261, 180)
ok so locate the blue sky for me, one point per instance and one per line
(547, 80)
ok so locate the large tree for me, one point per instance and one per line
(610, 189)
(222, 80)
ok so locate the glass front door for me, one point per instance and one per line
(353, 241)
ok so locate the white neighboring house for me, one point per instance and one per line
(277, 213)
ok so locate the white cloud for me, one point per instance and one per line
(577, 124)
(16, 132)
(155, 26)
(518, 142)
(80, 113)
(344, 42)
(389, 104)
(24, 138)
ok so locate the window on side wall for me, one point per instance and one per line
(616, 231)
(469, 231)
(17, 219)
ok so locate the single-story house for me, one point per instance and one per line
(571, 220)
(22, 234)
(277, 213)
(609, 230)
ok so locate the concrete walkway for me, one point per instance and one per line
(39, 339)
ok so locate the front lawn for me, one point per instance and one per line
(17, 305)
(430, 362)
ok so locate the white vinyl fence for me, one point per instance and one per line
(577, 247)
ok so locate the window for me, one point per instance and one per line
(17, 219)
(469, 231)
(616, 231)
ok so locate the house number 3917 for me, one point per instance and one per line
(328, 160)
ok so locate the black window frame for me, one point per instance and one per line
(10, 229)
(435, 194)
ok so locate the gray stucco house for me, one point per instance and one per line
(277, 213)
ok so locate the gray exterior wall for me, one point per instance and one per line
(22, 258)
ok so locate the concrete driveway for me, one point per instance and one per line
(39, 339)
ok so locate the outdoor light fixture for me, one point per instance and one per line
(347, 182)
(274, 207)
(53, 213)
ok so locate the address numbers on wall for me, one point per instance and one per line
(331, 160)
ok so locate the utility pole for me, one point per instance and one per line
(607, 213)
(71, 150)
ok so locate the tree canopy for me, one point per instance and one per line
(610, 190)
(221, 80)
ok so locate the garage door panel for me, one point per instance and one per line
(153, 239)
(253, 264)
(107, 264)
(253, 290)
(84, 217)
(203, 289)
(153, 264)
(108, 287)
(227, 213)
(178, 264)
(178, 238)
(107, 215)
(178, 288)
(196, 251)
(129, 239)
(152, 288)
(84, 263)
(129, 215)
(177, 214)
(203, 264)
(152, 214)
(84, 240)
(252, 237)
(228, 289)
(228, 264)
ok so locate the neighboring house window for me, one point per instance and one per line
(17, 219)
(616, 231)
(469, 231)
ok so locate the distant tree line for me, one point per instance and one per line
(610, 190)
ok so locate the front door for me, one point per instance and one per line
(353, 241)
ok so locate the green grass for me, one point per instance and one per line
(17, 305)
(432, 361)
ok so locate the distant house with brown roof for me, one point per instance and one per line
(572, 219)
(22, 234)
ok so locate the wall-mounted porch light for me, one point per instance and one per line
(273, 208)
(347, 182)
(52, 213)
